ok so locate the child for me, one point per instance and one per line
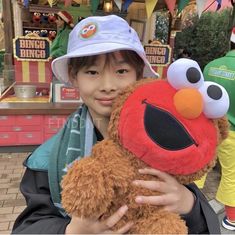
(65, 24)
(104, 56)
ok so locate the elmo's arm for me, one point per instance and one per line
(91, 184)
(84, 190)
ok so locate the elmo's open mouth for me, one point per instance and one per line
(165, 130)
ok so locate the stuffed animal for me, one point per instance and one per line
(36, 33)
(44, 18)
(36, 17)
(51, 18)
(27, 32)
(43, 33)
(173, 125)
(52, 35)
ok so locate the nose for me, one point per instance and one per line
(107, 82)
(189, 103)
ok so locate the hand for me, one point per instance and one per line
(85, 226)
(175, 197)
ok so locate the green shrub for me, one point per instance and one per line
(208, 37)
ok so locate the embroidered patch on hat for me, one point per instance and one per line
(88, 30)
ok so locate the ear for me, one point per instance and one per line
(223, 128)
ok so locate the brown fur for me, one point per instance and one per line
(97, 186)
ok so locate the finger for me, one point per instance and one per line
(125, 228)
(161, 200)
(108, 232)
(159, 186)
(112, 220)
(162, 175)
(170, 208)
(98, 227)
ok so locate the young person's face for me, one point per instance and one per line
(101, 82)
(60, 23)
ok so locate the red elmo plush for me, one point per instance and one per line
(173, 125)
(51, 18)
(37, 17)
(52, 35)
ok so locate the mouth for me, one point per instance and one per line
(166, 130)
(105, 101)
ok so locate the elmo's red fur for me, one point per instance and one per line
(95, 187)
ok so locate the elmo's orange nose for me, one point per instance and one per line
(189, 103)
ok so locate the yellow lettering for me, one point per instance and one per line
(22, 53)
(22, 43)
(34, 54)
(156, 59)
(155, 50)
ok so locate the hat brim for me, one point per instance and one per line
(60, 64)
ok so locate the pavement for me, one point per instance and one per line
(12, 202)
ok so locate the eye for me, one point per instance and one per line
(91, 27)
(216, 100)
(85, 30)
(91, 72)
(185, 73)
(122, 71)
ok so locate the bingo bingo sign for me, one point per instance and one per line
(32, 59)
(32, 49)
(158, 55)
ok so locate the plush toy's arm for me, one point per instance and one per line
(84, 190)
(92, 183)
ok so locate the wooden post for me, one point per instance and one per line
(8, 72)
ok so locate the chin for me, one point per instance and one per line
(106, 114)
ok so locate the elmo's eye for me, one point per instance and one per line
(91, 27)
(85, 30)
(216, 100)
(184, 73)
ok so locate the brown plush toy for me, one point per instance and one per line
(174, 126)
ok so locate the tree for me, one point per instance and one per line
(162, 26)
(208, 37)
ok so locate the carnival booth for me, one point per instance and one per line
(33, 75)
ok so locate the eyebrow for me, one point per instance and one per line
(120, 62)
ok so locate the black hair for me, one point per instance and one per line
(232, 46)
(77, 63)
(184, 53)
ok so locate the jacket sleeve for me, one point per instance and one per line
(202, 219)
(40, 216)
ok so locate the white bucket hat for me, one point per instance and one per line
(97, 35)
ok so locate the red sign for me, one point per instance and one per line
(69, 93)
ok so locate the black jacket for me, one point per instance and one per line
(41, 216)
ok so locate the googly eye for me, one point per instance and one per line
(216, 100)
(184, 73)
(85, 30)
(91, 27)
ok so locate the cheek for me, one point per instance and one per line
(128, 81)
(85, 89)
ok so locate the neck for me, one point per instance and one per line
(102, 125)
